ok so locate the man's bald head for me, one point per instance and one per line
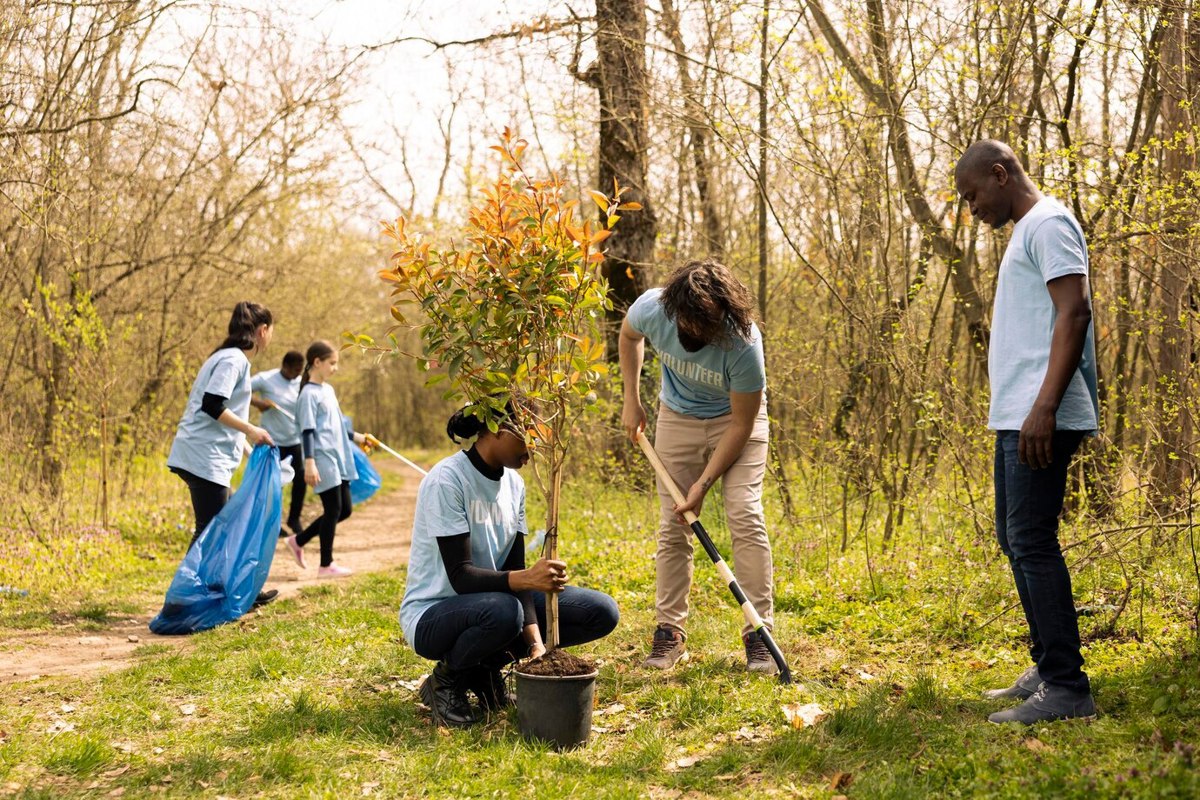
(990, 179)
(979, 158)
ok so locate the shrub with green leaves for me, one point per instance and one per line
(513, 310)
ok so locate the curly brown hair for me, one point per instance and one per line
(706, 301)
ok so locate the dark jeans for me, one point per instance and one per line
(208, 499)
(335, 507)
(485, 628)
(298, 484)
(1028, 503)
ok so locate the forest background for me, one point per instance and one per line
(161, 160)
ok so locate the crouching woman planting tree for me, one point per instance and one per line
(470, 603)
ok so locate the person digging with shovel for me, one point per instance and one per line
(712, 423)
(470, 603)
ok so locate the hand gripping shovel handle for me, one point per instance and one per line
(392, 452)
(748, 610)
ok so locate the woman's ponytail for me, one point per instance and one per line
(245, 321)
(320, 349)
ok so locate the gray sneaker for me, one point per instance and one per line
(667, 649)
(1023, 689)
(1047, 704)
(758, 657)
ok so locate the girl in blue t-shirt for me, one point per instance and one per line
(208, 442)
(470, 604)
(328, 461)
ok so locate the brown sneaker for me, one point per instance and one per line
(667, 648)
(758, 657)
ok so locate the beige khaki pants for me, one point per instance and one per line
(685, 444)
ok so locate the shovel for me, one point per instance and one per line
(748, 610)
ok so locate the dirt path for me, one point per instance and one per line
(375, 538)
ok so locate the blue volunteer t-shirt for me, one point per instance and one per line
(283, 393)
(202, 446)
(698, 384)
(318, 408)
(1047, 243)
(456, 498)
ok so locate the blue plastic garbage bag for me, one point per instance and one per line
(225, 569)
(368, 481)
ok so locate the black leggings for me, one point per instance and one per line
(298, 484)
(335, 505)
(208, 498)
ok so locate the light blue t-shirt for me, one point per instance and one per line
(698, 384)
(202, 446)
(1047, 243)
(456, 498)
(283, 393)
(317, 408)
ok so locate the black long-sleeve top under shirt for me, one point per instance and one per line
(467, 578)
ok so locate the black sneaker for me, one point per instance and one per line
(758, 657)
(1047, 704)
(1024, 688)
(444, 691)
(487, 683)
(265, 597)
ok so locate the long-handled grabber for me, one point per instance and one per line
(376, 443)
(748, 610)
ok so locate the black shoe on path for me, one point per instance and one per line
(265, 597)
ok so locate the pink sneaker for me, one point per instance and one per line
(334, 571)
(297, 550)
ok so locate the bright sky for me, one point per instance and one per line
(408, 90)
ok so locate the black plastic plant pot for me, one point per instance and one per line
(556, 709)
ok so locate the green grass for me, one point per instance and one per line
(311, 697)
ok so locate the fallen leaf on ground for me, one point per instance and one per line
(367, 788)
(59, 726)
(124, 747)
(840, 780)
(112, 773)
(187, 709)
(804, 715)
(615, 708)
(134, 638)
(1037, 746)
(683, 763)
(66, 708)
(863, 675)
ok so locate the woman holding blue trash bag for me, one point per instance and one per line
(326, 442)
(207, 447)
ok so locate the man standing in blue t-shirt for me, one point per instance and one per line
(712, 423)
(1042, 370)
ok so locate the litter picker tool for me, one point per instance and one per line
(376, 443)
(748, 610)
